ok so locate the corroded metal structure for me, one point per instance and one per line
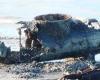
(67, 37)
(61, 37)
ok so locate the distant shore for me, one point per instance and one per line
(8, 38)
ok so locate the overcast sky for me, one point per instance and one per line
(27, 9)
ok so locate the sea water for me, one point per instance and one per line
(9, 35)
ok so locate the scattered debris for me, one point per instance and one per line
(57, 36)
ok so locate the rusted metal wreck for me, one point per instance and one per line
(60, 36)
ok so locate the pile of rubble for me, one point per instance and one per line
(34, 69)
